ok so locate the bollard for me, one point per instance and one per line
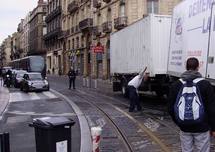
(4, 142)
(88, 82)
(95, 83)
(84, 82)
(96, 136)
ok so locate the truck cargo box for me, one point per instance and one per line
(143, 43)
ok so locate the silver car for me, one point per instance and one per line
(34, 82)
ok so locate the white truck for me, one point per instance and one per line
(193, 35)
(144, 43)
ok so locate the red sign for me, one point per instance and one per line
(98, 49)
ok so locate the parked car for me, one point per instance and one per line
(34, 82)
(17, 77)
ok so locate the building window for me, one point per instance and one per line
(73, 43)
(44, 30)
(152, 6)
(99, 19)
(109, 15)
(68, 44)
(122, 10)
(77, 40)
(44, 18)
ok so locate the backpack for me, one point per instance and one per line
(189, 108)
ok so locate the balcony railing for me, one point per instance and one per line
(86, 24)
(53, 14)
(73, 6)
(106, 1)
(97, 3)
(107, 27)
(55, 33)
(120, 22)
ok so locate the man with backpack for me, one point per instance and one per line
(192, 107)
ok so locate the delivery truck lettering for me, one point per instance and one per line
(193, 35)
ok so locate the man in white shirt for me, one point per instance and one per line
(133, 85)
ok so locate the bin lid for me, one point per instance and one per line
(52, 122)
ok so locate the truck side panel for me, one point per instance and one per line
(144, 43)
(189, 35)
(160, 31)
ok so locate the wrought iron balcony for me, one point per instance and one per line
(120, 22)
(72, 7)
(86, 24)
(97, 30)
(97, 3)
(107, 27)
(55, 33)
(53, 14)
(106, 1)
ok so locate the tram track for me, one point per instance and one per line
(166, 145)
(146, 132)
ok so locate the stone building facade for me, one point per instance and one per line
(77, 24)
(6, 51)
(25, 34)
(89, 23)
(54, 37)
(38, 29)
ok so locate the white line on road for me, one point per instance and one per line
(33, 96)
(42, 114)
(49, 94)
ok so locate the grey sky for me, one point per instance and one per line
(11, 12)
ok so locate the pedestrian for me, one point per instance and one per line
(53, 70)
(191, 104)
(133, 86)
(72, 76)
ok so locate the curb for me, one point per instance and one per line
(4, 99)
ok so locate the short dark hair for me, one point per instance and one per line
(192, 63)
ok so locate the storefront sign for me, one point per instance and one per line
(98, 49)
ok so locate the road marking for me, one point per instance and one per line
(21, 96)
(33, 96)
(86, 142)
(15, 96)
(49, 94)
(41, 114)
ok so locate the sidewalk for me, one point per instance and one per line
(4, 97)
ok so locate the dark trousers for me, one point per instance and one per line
(71, 83)
(134, 99)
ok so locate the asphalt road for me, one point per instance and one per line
(150, 130)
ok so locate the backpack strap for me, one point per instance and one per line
(182, 81)
(197, 80)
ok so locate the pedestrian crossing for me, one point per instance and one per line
(22, 96)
